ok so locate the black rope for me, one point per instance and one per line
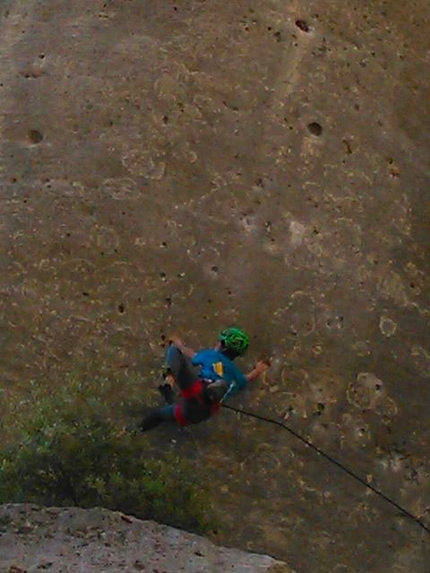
(332, 460)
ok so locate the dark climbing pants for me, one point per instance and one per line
(165, 414)
(181, 367)
(185, 376)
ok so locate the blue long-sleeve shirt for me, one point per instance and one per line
(215, 366)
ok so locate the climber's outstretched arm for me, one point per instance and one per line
(259, 368)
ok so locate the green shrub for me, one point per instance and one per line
(67, 451)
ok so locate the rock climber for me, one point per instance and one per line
(205, 379)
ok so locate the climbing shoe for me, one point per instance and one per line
(167, 392)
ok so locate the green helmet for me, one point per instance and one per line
(235, 339)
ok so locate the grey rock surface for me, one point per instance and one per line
(183, 166)
(63, 540)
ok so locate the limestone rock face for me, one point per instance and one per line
(181, 166)
(95, 541)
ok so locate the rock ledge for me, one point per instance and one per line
(60, 540)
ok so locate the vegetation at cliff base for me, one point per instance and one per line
(67, 450)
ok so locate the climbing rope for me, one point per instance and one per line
(330, 459)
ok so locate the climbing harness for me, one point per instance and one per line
(194, 391)
(330, 459)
